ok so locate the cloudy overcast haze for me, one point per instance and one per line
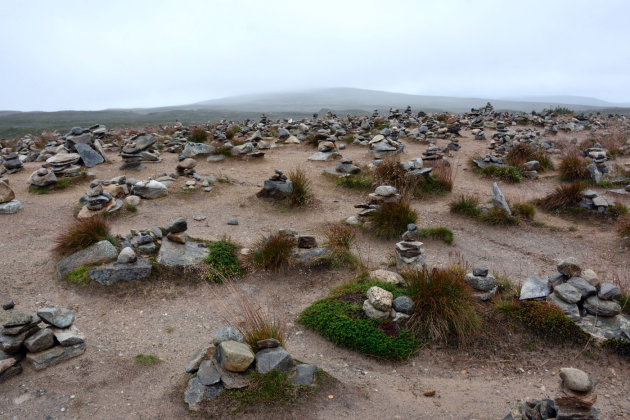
(95, 55)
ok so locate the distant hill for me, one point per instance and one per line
(284, 105)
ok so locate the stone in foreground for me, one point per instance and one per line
(234, 356)
(102, 251)
(276, 358)
(54, 356)
(57, 317)
(113, 273)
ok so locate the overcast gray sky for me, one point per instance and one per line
(85, 54)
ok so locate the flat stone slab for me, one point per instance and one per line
(99, 252)
(89, 156)
(535, 287)
(178, 255)
(113, 273)
(54, 356)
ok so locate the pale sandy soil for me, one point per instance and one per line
(105, 383)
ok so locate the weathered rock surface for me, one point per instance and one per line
(276, 358)
(113, 273)
(102, 251)
(234, 356)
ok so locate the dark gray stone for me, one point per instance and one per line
(196, 392)
(179, 255)
(584, 287)
(535, 287)
(304, 375)
(176, 226)
(482, 284)
(208, 374)
(194, 362)
(274, 359)
(606, 308)
(608, 291)
(102, 251)
(41, 340)
(568, 293)
(113, 273)
(480, 272)
(54, 356)
(89, 156)
(57, 317)
(403, 304)
(227, 334)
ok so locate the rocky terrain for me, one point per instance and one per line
(146, 297)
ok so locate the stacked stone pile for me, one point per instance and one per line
(593, 201)
(12, 163)
(278, 187)
(65, 164)
(225, 365)
(8, 203)
(485, 284)
(381, 146)
(23, 338)
(98, 201)
(139, 148)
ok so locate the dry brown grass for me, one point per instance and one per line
(442, 172)
(81, 234)
(573, 167)
(623, 226)
(563, 197)
(273, 252)
(339, 235)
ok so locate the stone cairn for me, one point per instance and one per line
(380, 303)
(22, 338)
(591, 304)
(344, 168)
(64, 165)
(136, 151)
(593, 201)
(226, 363)
(574, 401)
(8, 203)
(381, 146)
(12, 163)
(98, 201)
(43, 177)
(277, 187)
(484, 284)
(409, 251)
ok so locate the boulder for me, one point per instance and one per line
(127, 256)
(584, 287)
(176, 226)
(42, 178)
(192, 149)
(208, 374)
(590, 276)
(227, 334)
(371, 312)
(576, 380)
(139, 143)
(102, 251)
(568, 293)
(196, 392)
(608, 291)
(276, 358)
(68, 337)
(194, 362)
(89, 156)
(57, 317)
(113, 273)
(379, 298)
(10, 207)
(481, 283)
(569, 267)
(234, 356)
(386, 276)
(179, 255)
(535, 287)
(403, 304)
(150, 190)
(605, 308)
(41, 340)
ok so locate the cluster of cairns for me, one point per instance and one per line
(574, 401)
(23, 339)
(227, 362)
(591, 304)
(8, 203)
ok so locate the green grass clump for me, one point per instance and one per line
(79, 276)
(437, 232)
(132, 208)
(444, 307)
(560, 110)
(61, 184)
(496, 216)
(81, 234)
(302, 193)
(605, 183)
(147, 359)
(391, 220)
(563, 198)
(339, 238)
(618, 346)
(274, 251)
(361, 181)
(506, 173)
(267, 388)
(523, 210)
(223, 261)
(545, 320)
(345, 324)
(467, 205)
(522, 153)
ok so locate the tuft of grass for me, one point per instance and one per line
(524, 211)
(391, 220)
(147, 359)
(544, 320)
(81, 234)
(302, 193)
(522, 153)
(253, 321)
(624, 301)
(267, 388)
(563, 198)
(618, 346)
(61, 184)
(340, 318)
(496, 216)
(361, 181)
(198, 135)
(623, 226)
(132, 208)
(573, 167)
(223, 261)
(340, 237)
(444, 307)
(391, 172)
(437, 232)
(274, 251)
(505, 173)
(79, 276)
(442, 175)
(467, 205)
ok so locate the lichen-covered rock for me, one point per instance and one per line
(234, 356)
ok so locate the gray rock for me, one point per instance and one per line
(232, 221)
(194, 362)
(192, 149)
(208, 374)
(227, 334)
(42, 178)
(234, 356)
(41, 340)
(268, 343)
(535, 287)
(10, 207)
(380, 298)
(89, 156)
(385, 191)
(10, 372)
(67, 337)
(102, 251)
(139, 143)
(196, 392)
(14, 317)
(569, 267)
(480, 272)
(54, 356)
(403, 304)
(571, 310)
(568, 293)
(150, 190)
(57, 317)
(605, 308)
(608, 291)
(481, 283)
(178, 225)
(276, 358)
(576, 379)
(584, 287)
(304, 375)
(323, 156)
(498, 199)
(387, 276)
(179, 255)
(127, 256)
(113, 273)
(371, 312)
(215, 158)
(9, 304)
(231, 380)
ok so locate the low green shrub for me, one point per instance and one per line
(544, 320)
(438, 233)
(506, 173)
(267, 388)
(79, 276)
(147, 359)
(467, 205)
(223, 261)
(361, 181)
